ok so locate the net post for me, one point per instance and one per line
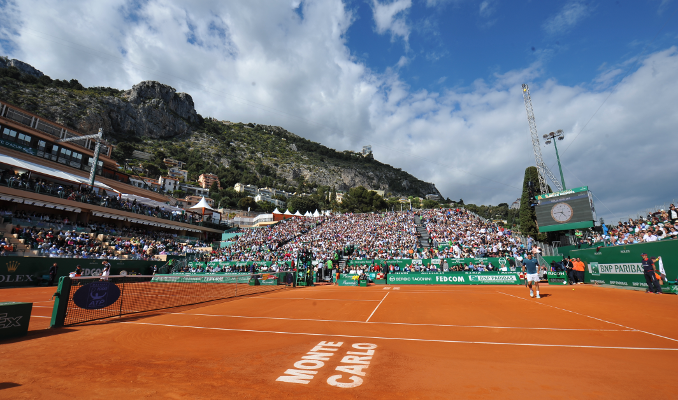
(61, 302)
(122, 296)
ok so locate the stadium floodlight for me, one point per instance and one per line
(551, 137)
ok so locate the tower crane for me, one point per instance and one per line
(542, 170)
(98, 137)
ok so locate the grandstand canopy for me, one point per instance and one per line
(52, 172)
(149, 202)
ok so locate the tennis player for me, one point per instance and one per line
(532, 273)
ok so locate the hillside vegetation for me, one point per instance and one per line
(154, 118)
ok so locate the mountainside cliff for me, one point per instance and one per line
(153, 118)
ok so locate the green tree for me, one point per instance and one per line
(302, 204)
(247, 202)
(359, 199)
(528, 218)
(265, 206)
(122, 151)
(430, 204)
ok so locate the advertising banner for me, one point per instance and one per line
(30, 271)
(454, 278)
(201, 278)
(621, 265)
(557, 278)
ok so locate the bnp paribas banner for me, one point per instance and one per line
(454, 278)
(621, 265)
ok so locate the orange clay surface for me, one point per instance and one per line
(430, 342)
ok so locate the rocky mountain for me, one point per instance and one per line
(152, 117)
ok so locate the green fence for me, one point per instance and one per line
(621, 265)
(27, 271)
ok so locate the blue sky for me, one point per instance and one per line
(433, 85)
(453, 43)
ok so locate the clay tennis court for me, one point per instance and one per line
(423, 342)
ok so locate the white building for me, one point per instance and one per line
(261, 197)
(180, 174)
(168, 183)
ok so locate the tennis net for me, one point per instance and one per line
(87, 299)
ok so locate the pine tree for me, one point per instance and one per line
(528, 218)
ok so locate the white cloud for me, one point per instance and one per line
(487, 8)
(403, 61)
(472, 142)
(390, 17)
(569, 16)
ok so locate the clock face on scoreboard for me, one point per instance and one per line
(561, 212)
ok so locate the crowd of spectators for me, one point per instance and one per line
(381, 236)
(266, 243)
(54, 235)
(456, 233)
(85, 194)
(660, 225)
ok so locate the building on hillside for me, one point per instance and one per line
(433, 196)
(262, 197)
(170, 162)
(207, 180)
(367, 150)
(168, 183)
(137, 182)
(516, 204)
(194, 190)
(140, 155)
(180, 174)
(152, 184)
(340, 197)
(138, 169)
(249, 189)
(380, 192)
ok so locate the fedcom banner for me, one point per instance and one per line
(459, 278)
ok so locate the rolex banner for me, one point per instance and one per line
(454, 278)
(33, 271)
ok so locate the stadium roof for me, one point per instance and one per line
(44, 170)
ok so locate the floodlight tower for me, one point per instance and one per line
(542, 170)
(99, 137)
(552, 137)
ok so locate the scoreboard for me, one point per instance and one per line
(564, 210)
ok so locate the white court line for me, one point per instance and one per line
(588, 316)
(43, 306)
(39, 316)
(375, 310)
(404, 339)
(303, 298)
(408, 324)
